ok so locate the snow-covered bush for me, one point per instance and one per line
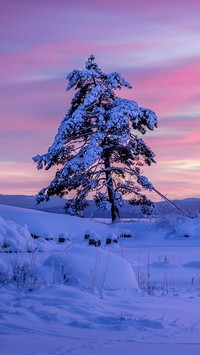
(111, 238)
(94, 239)
(63, 238)
(125, 233)
(91, 268)
(87, 234)
(15, 237)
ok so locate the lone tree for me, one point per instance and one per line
(97, 148)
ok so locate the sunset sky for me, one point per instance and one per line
(154, 44)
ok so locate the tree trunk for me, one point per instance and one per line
(114, 209)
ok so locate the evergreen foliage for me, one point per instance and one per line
(97, 147)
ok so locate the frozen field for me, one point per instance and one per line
(140, 295)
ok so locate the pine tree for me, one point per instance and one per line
(97, 148)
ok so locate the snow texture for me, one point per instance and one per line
(139, 295)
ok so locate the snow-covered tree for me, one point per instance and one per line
(97, 148)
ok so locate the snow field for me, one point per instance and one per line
(73, 298)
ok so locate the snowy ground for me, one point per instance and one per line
(139, 296)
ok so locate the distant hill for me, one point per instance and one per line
(190, 205)
(56, 205)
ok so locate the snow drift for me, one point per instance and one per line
(93, 268)
(88, 266)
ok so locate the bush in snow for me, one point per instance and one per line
(57, 269)
(95, 242)
(111, 238)
(94, 239)
(5, 273)
(87, 234)
(91, 268)
(97, 146)
(63, 237)
(126, 233)
(15, 237)
(48, 236)
(22, 274)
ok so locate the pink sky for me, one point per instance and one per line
(154, 44)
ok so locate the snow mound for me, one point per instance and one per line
(184, 227)
(93, 268)
(193, 264)
(43, 223)
(14, 237)
(165, 264)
